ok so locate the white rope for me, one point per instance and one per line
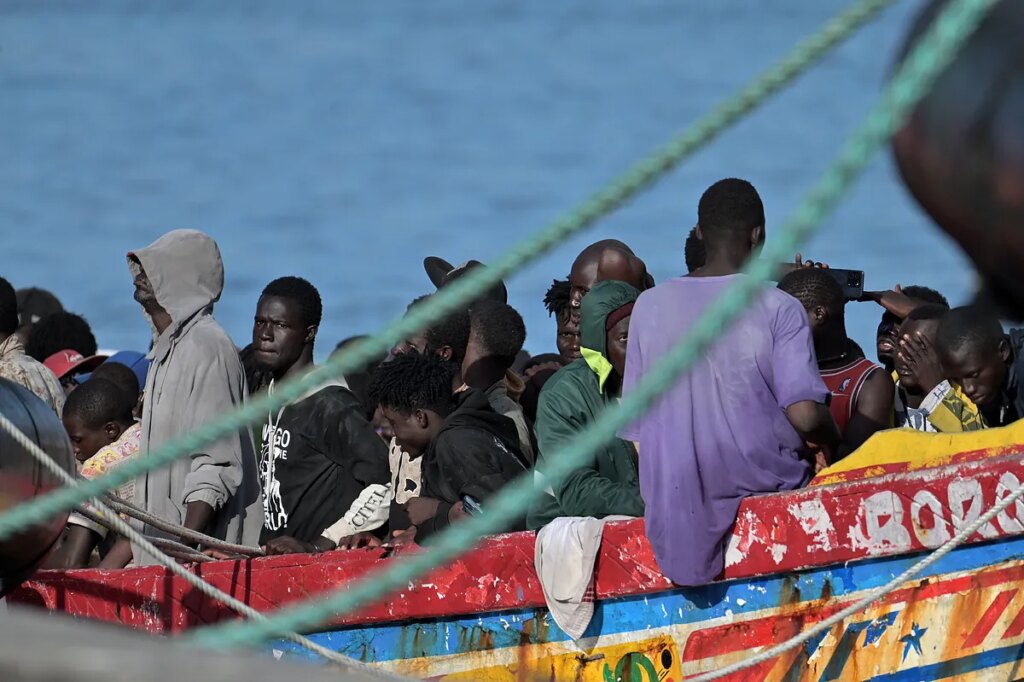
(870, 597)
(115, 522)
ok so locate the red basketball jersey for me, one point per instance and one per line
(844, 384)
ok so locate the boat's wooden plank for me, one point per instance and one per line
(30, 642)
(956, 613)
(778, 533)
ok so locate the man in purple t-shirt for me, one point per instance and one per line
(736, 424)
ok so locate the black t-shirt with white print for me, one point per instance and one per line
(316, 457)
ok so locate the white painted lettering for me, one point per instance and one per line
(966, 503)
(816, 522)
(880, 525)
(938, 532)
(1009, 482)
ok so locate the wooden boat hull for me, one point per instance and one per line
(963, 617)
(794, 559)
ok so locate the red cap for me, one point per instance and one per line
(65, 362)
(615, 316)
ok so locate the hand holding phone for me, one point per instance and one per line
(852, 282)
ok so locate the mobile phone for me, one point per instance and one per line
(852, 282)
(470, 505)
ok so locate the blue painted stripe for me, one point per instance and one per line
(635, 614)
(957, 666)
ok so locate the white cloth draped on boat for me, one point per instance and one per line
(564, 558)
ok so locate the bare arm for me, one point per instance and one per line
(873, 411)
(815, 424)
(119, 555)
(895, 301)
(198, 516)
(75, 550)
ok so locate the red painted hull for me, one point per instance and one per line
(780, 533)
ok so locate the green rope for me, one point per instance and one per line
(461, 292)
(932, 54)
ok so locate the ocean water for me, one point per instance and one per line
(346, 141)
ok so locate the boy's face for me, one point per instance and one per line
(412, 431)
(85, 440)
(981, 371)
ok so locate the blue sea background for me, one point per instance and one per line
(346, 141)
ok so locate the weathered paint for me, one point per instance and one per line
(793, 558)
(962, 616)
(774, 534)
(647, 659)
(901, 450)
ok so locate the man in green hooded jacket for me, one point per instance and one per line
(574, 397)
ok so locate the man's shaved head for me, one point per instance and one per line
(608, 259)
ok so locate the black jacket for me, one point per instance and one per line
(324, 453)
(475, 454)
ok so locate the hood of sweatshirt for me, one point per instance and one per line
(186, 271)
(604, 299)
(473, 410)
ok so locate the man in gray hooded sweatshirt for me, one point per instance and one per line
(195, 376)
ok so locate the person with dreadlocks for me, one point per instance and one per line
(468, 451)
(925, 399)
(446, 341)
(862, 392)
(567, 338)
(320, 457)
(977, 353)
(542, 367)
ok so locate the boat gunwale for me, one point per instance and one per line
(625, 567)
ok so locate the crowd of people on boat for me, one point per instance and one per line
(426, 435)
